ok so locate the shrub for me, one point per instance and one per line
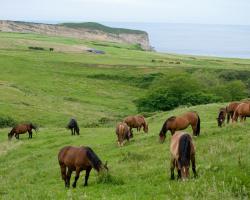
(7, 122)
(182, 88)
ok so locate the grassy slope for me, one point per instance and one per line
(49, 87)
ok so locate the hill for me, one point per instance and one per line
(48, 88)
(100, 27)
(87, 31)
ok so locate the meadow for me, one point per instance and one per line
(48, 88)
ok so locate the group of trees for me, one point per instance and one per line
(192, 88)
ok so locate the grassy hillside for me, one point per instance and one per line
(100, 27)
(50, 87)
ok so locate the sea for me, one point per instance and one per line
(232, 41)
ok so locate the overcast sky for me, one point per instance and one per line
(173, 11)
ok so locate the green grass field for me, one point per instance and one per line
(48, 88)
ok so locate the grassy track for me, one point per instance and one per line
(50, 87)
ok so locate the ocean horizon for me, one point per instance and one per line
(230, 41)
(218, 40)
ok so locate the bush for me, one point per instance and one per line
(7, 122)
(182, 88)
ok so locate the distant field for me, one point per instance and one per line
(48, 88)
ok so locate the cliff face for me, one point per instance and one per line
(81, 33)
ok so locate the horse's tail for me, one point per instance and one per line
(198, 126)
(184, 150)
(95, 161)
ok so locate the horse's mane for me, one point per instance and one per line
(184, 150)
(171, 118)
(33, 126)
(95, 161)
(164, 126)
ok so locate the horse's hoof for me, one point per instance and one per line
(74, 185)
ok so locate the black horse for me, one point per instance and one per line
(73, 126)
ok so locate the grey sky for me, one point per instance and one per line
(180, 11)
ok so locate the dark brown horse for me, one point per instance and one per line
(78, 159)
(221, 116)
(73, 126)
(137, 122)
(179, 123)
(182, 152)
(230, 108)
(242, 111)
(123, 133)
(21, 129)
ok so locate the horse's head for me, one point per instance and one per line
(77, 130)
(219, 121)
(34, 127)
(162, 136)
(184, 172)
(221, 117)
(145, 128)
(10, 135)
(104, 167)
(163, 132)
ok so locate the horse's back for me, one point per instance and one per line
(73, 156)
(21, 128)
(174, 144)
(232, 106)
(121, 128)
(243, 108)
(175, 141)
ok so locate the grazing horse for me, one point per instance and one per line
(182, 151)
(230, 108)
(21, 129)
(221, 117)
(73, 126)
(122, 132)
(242, 111)
(179, 123)
(77, 159)
(137, 122)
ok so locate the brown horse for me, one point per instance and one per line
(122, 132)
(179, 123)
(78, 159)
(21, 129)
(242, 111)
(221, 116)
(182, 151)
(230, 108)
(137, 122)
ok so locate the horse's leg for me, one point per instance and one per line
(241, 118)
(228, 117)
(71, 131)
(231, 116)
(87, 176)
(193, 165)
(17, 136)
(76, 177)
(63, 173)
(172, 165)
(179, 174)
(69, 172)
(30, 134)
